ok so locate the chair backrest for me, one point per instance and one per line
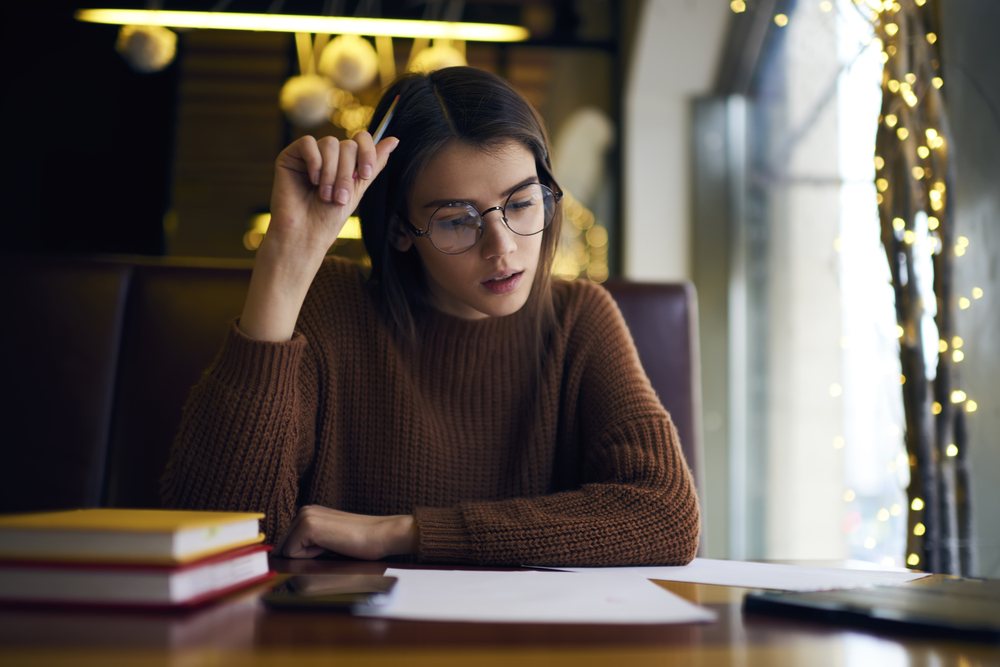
(59, 359)
(178, 314)
(663, 319)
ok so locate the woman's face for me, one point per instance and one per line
(494, 277)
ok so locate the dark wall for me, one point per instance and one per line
(87, 140)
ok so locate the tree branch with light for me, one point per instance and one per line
(913, 183)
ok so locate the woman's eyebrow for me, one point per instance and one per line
(506, 193)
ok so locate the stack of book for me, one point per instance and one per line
(129, 557)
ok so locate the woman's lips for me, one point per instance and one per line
(503, 285)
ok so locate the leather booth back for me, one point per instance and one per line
(99, 357)
(175, 322)
(58, 361)
(663, 320)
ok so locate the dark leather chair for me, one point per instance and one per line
(178, 315)
(99, 356)
(663, 319)
(59, 362)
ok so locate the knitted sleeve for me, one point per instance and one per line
(246, 433)
(637, 502)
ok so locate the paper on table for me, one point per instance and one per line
(533, 597)
(775, 576)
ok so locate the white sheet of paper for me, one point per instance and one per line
(775, 576)
(533, 597)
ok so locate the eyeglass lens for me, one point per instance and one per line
(455, 228)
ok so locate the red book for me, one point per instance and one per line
(38, 582)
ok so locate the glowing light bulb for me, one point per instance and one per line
(738, 6)
(923, 152)
(937, 82)
(964, 303)
(971, 406)
(898, 224)
(902, 133)
(931, 37)
(957, 396)
(918, 173)
(780, 20)
(891, 29)
(951, 451)
(913, 560)
(917, 504)
(891, 119)
(919, 529)
(957, 356)
(880, 163)
(933, 223)
(936, 408)
(957, 342)
(977, 292)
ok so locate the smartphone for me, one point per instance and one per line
(344, 592)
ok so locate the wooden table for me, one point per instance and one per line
(240, 631)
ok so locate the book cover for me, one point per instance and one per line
(126, 535)
(132, 585)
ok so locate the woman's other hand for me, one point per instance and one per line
(318, 529)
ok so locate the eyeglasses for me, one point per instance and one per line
(457, 226)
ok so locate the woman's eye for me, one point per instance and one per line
(521, 204)
(456, 220)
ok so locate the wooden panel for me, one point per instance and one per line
(229, 131)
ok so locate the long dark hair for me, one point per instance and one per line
(455, 103)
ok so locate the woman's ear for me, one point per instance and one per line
(399, 237)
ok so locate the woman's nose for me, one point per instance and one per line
(498, 240)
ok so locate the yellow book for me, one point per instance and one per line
(108, 535)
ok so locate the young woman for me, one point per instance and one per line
(456, 404)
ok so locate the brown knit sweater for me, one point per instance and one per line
(576, 465)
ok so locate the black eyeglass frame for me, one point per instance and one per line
(557, 195)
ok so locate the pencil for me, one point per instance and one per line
(385, 121)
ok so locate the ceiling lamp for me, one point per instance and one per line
(331, 25)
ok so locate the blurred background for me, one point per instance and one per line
(729, 143)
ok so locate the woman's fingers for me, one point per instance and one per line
(382, 152)
(339, 170)
(303, 156)
(331, 150)
(344, 185)
(366, 155)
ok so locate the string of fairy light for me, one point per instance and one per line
(925, 149)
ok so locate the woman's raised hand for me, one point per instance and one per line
(317, 185)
